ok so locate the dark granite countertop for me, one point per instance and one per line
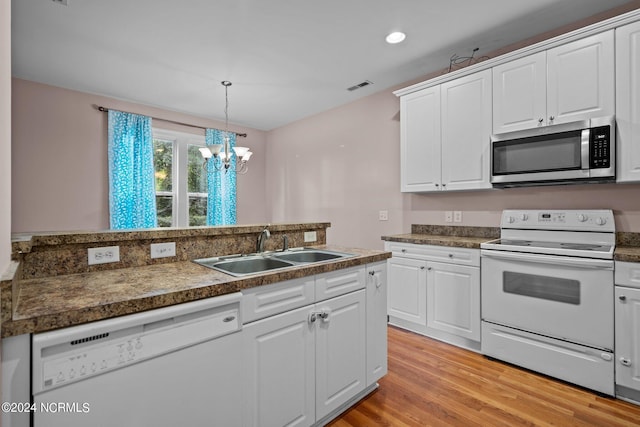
(47, 303)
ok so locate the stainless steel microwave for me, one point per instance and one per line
(577, 152)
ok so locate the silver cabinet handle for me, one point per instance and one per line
(324, 314)
(540, 120)
(625, 362)
(450, 255)
(429, 269)
(437, 185)
(403, 250)
(422, 268)
(444, 185)
(313, 316)
(372, 273)
(622, 298)
(551, 118)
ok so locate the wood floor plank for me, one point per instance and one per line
(431, 383)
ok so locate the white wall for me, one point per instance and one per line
(5, 134)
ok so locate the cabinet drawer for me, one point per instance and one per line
(462, 256)
(627, 274)
(329, 285)
(264, 301)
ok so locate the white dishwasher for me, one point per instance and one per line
(178, 365)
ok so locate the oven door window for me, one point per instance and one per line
(543, 153)
(542, 287)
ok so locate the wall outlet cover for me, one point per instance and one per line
(448, 216)
(457, 216)
(383, 215)
(103, 255)
(163, 250)
(310, 236)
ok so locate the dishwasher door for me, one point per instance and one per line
(178, 365)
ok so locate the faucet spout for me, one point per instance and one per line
(262, 237)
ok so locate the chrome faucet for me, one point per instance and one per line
(264, 235)
(285, 243)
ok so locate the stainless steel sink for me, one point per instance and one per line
(309, 255)
(242, 265)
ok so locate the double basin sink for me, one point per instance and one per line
(242, 265)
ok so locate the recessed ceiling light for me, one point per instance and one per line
(395, 37)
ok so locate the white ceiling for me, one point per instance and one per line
(287, 59)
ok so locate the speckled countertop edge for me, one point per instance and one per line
(60, 301)
(438, 240)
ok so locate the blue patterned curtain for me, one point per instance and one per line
(221, 203)
(132, 199)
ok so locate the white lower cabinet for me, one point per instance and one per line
(627, 347)
(453, 299)
(435, 291)
(305, 365)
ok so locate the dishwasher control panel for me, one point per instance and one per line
(73, 354)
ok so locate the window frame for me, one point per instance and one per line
(179, 170)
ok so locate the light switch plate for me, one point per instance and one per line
(103, 255)
(383, 215)
(457, 216)
(310, 236)
(163, 250)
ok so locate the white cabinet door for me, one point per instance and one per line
(453, 299)
(466, 132)
(279, 370)
(628, 337)
(340, 351)
(520, 94)
(420, 140)
(580, 79)
(628, 101)
(376, 321)
(407, 292)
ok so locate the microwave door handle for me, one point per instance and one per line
(584, 148)
(550, 259)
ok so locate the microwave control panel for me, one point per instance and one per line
(600, 147)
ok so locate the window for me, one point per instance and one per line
(181, 181)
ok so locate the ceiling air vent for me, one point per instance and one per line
(359, 85)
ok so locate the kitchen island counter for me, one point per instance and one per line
(47, 303)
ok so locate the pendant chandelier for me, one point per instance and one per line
(221, 154)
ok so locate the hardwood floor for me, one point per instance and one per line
(431, 383)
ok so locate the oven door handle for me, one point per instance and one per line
(602, 264)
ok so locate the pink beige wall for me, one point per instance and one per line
(343, 166)
(59, 159)
(5, 134)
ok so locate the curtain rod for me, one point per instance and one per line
(104, 110)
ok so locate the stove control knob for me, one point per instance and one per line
(582, 217)
(510, 219)
(601, 221)
(524, 217)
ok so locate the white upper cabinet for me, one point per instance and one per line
(420, 140)
(628, 102)
(568, 83)
(580, 79)
(466, 132)
(444, 135)
(520, 93)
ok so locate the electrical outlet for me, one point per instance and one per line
(448, 216)
(457, 216)
(163, 250)
(383, 215)
(310, 236)
(103, 255)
